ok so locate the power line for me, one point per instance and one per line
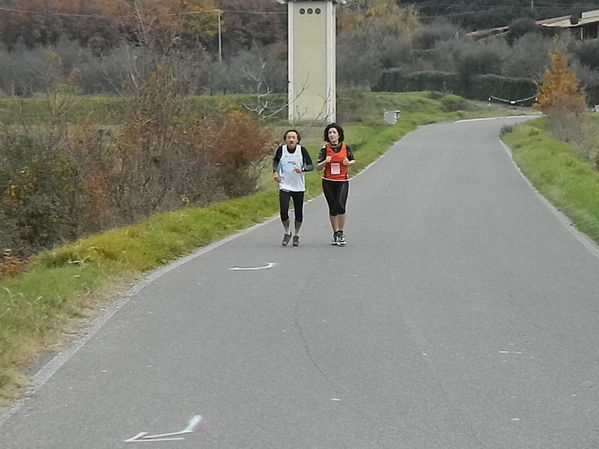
(50, 13)
(254, 12)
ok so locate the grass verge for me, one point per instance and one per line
(41, 308)
(558, 173)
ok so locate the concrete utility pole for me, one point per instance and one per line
(312, 59)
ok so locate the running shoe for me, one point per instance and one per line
(296, 240)
(340, 239)
(334, 241)
(286, 238)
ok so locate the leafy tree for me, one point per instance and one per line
(528, 57)
(560, 90)
(587, 53)
(362, 71)
(439, 31)
(445, 56)
(561, 97)
(384, 16)
(27, 28)
(247, 23)
(44, 22)
(483, 58)
(200, 22)
(520, 27)
(103, 24)
(377, 30)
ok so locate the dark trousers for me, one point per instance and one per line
(298, 205)
(335, 192)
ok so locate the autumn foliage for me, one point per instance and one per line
(57, 184)
(560, 90)
(385, 17)
(105, 24)
(64, 178)
(561, 97)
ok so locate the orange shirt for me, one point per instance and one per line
(335, 170)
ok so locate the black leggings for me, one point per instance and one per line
(335, 193)
(298, 205)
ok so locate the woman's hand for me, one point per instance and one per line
(276, 177)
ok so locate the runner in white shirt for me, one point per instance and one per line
(289, 165)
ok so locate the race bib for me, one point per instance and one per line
(335, 168)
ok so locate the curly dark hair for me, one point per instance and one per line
(339, 130)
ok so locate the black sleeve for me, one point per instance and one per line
(322, 155)
(350, 155)
(308, 165)
(276, 159)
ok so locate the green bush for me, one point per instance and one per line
(587, 52)
(505, 129)
(481, 59)
(434, 95)
(38, 195)
(451, 103)
(520, 27)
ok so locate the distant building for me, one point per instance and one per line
(585, 26)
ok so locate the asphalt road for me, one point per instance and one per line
(463, 314)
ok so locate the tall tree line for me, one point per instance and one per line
(104, 24)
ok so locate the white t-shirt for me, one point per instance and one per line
(290, 180)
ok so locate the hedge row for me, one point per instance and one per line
(477, 87)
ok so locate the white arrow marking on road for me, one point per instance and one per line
(143, 437)
(265, 267)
